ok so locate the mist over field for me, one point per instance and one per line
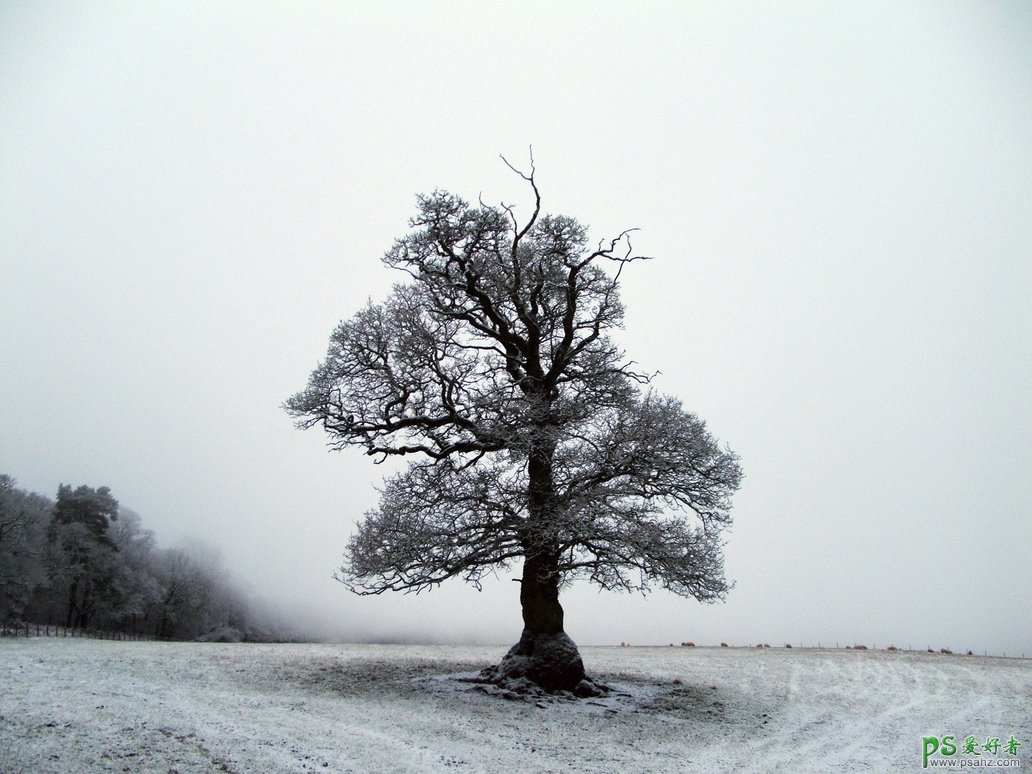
(837, 205)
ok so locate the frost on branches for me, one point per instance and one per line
(531, 437)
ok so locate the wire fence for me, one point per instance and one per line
(43, 630)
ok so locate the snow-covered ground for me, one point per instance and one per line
(82, 705)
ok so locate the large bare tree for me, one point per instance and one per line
(532, 438)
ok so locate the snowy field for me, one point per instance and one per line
(82, 705)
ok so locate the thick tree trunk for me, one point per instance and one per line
(545, 655)
(539, 595)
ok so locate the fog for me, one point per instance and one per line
(837, 198)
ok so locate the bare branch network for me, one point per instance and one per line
(532, 435)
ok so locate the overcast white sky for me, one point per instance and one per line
(838, 196)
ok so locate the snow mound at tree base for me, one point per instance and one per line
(543, 663)
(520, 688)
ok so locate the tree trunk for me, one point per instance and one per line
(544, 655)
(539, 594)
(86, 606)
(73, 593)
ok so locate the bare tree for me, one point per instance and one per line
(532, 437)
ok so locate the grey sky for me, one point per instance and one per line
(837, 195)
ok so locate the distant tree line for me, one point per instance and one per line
(83, 561)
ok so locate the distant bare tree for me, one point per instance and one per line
(136, 590)
(533, 439)
(197, 600)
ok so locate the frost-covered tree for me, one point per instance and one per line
(82, 553)
(24, 517)
(135, 587)
(196, 597)
(532, 438)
